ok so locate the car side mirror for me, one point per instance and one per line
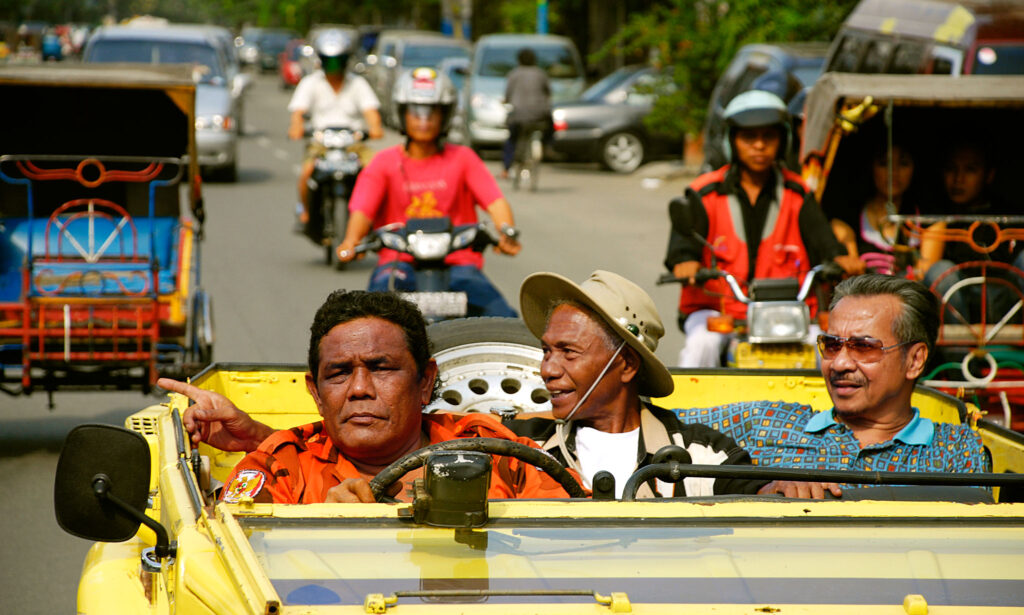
(461, 70)
(101, 470)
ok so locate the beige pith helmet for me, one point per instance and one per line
(623, 305)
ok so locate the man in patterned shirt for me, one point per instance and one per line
(881, 332)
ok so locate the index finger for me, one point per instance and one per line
(183, 388)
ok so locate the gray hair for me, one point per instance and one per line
(918, 321)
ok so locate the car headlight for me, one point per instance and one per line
(777, 322)
(214, 122)
(429, 246)
(483, 101)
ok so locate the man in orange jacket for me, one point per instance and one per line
(370, 374)
(758, 220)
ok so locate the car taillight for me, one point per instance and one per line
(558, 120)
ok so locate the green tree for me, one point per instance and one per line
(698, 38)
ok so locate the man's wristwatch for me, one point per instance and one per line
(509, 231)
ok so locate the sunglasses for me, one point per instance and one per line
(861, 349)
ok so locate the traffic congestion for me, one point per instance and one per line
(480, 285)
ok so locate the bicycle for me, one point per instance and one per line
(529, 152)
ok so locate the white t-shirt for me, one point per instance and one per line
(614, 452)
(328, 108)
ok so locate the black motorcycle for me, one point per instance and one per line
(330, 186)
(429, 241)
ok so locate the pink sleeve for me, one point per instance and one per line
(482, 184)
(371, 187)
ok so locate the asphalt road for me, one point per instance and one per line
(266, 284)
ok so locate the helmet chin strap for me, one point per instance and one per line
(560, 423)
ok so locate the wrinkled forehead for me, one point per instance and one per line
(865, 316)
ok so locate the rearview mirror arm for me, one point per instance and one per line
(101, 487)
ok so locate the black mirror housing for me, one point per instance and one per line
(122, 458)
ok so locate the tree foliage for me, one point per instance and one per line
(698, 38)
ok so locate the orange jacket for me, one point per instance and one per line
(299, 465)
(781, 254)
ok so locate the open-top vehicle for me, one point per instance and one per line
(99, 250)
(849, 117)
(909, 550)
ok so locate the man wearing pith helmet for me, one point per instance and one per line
(599, 365)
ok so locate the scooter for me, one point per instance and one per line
(330, 186)
(774, 334)
(429, 241)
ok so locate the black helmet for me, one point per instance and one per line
(424, 86)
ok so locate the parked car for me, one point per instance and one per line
(976, 37)
(606, 124)
(782, 68)
(216, 110)
(413, 52)
(493, 58)
(295, 63)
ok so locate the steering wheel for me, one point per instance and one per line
(492, 446)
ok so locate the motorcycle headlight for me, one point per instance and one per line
(777, 321)
(429, 246)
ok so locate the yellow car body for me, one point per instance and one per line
(723, 554)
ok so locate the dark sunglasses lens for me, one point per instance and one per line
(865, 349)
(829, 345)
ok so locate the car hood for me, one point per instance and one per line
(212, 100)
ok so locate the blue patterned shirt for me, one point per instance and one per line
(796, 436)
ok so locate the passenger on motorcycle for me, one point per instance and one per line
(427, 178)
(332, 98)
(759, 221)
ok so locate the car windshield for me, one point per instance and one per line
(431, 55)
(601, 89)
(204, 57)
(341, 561)
(274, 40)
(999, 60)
(557, 60)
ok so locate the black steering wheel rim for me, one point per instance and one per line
(492, 446)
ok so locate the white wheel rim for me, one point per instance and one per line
(488, 377)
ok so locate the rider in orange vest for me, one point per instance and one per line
(759, 218)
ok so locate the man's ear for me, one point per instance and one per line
(311, 387)
(427, 383)
(631, 364)
(917, 358)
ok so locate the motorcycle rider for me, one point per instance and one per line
(332, 98)
(759, 218)
(427, 178)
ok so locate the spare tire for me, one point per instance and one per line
(487, 365)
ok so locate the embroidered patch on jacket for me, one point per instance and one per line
(246, 484)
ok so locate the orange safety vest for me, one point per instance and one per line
(781, 254)
(299, 465)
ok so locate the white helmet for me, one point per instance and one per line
(424, 86)
(334, 48)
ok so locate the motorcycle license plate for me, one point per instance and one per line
(439, 304)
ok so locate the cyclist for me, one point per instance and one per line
(427, 178)
(332, 98)
(528, 92)
(758, 217)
